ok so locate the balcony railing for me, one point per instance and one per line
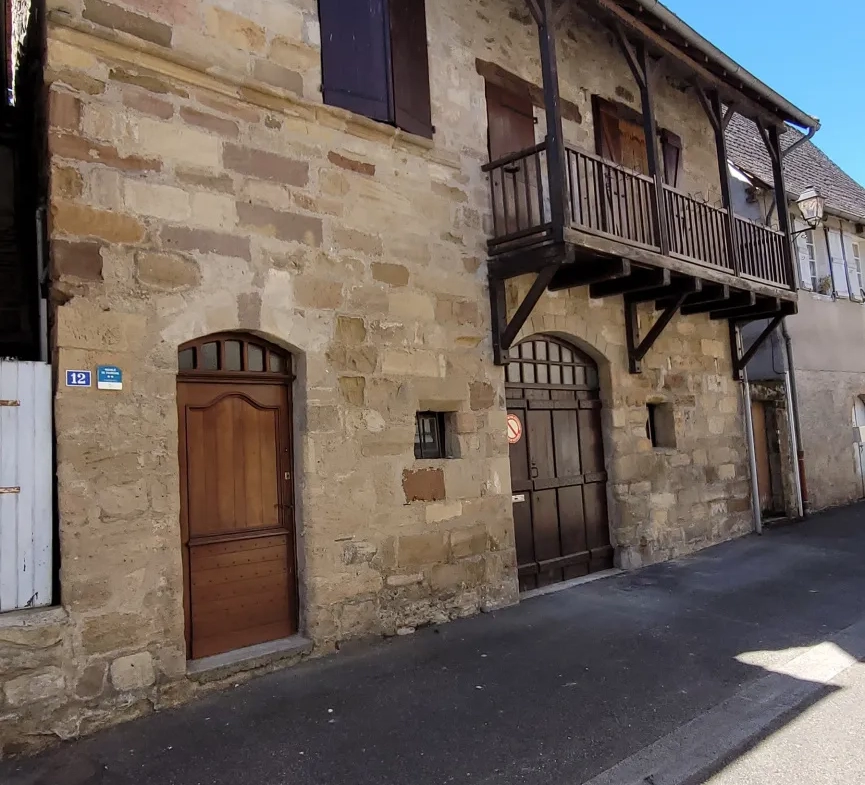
(611, 201)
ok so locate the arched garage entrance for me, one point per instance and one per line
(558, 478)
(236, 493)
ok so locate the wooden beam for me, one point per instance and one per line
(499, 314)
(783, 210)
(539, 286)
(639, 73)
(556, 166)
(635, 282)
(668, 294)
(620, 15)
(636, 352)
(737, 300)
(577, 274)
(757, 314)
(709, 109)
(529, 260)
(740, 358)
(656, 172)
(564, 6)
(769, 306)
(711, 294)
(714, 111)
(728, 115)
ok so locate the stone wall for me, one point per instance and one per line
(832, 468)
(198, 185)
(664, 502)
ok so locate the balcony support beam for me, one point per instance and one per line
(637, 281)
(668, 294)
(711, 103)
(504, 331)
(741, 358)
(637, 351)
(638, 61)
(571, 276)
(711, 293)
(736, 301)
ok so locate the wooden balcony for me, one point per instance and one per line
(610, 215)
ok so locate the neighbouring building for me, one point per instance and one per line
(362, 320)
(826, 336)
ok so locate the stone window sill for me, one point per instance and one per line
(33, 617)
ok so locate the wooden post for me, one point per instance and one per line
(772, 141)
(650, 130)
(556, 166)
(719, 123)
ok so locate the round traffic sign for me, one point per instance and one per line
(515, 429)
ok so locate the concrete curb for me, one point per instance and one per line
(686, 755)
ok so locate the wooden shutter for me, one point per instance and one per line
(608, 140)
(671, 145)
(411, 93)
(355, 56)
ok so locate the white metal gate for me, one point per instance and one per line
(26, 472)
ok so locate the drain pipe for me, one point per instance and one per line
(795, 421)
(749, 436)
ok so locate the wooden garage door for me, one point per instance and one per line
(236, 494)
(557, 463)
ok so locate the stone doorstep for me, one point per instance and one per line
(33, 617)
(221, 666)
(595, 576)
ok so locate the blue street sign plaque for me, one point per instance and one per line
(109, 377)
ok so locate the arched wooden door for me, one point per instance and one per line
(558, 478)
(236, 492)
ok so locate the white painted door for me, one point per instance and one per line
(26, 485)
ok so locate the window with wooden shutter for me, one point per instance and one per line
(411, 93)
(375, 61)
(355, 56)
(671, 147)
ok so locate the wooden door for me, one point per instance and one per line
(761, 455)
(236, 494)
(557, 464)
(511, 128)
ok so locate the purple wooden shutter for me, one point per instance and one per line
(411, 93)
(355, 56)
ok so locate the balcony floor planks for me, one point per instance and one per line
(589, 244)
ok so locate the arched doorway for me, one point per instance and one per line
(236, 493)
(558, 478)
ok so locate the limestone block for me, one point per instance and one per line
(463, 574)
(469, 542)
(160, 201)
(353, 389)
(265, 165)
(166, 272)
(350, 330)
(79, 221)
(33, 687)
(235, 30)
(133, 672)
(417, 363)
(411, 306)
(176, 142)
(417, 550)
(399, 581)
(443, 511)
(214, 211)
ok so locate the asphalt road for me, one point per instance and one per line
(657, 672)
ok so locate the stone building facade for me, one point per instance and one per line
(199, 186)
(827, 333)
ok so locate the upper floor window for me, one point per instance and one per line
(375, 61)
(855, 266)
(807, 260)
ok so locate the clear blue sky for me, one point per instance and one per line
(812, 53)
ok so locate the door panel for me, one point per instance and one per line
(237, 514)
(511, 129)
(563, 532)
(761, 455)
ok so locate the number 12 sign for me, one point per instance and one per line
(78, 379)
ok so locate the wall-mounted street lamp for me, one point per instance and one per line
(811, 204)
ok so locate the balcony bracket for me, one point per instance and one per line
(504, 331)
(741, 358)
(636, 352)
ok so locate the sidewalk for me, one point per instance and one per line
(556, 690)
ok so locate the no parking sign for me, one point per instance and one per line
(515, 429)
